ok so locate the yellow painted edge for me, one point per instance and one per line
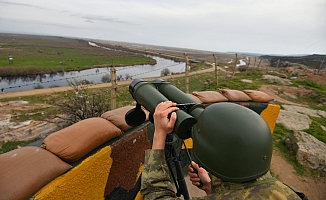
(270, 115)
(188, 143)
(85, 181)
(139, 196)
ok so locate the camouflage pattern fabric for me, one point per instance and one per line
(156, 184)
(155, 180)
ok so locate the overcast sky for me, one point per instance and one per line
(255, 26)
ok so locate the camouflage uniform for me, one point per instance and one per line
(156, 184)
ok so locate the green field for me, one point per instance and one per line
(41, 54)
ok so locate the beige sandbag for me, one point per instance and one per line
(75, 141)
(258, 96)
(195, 98)
(26, 170)
(210, 96)
(117, 117)
(235, 95)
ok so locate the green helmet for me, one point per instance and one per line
(232, 142)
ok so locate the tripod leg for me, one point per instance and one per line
(136, 189)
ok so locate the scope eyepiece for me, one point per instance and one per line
(150, 94)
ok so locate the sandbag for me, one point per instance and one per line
(26, 170)
(235, 95)
(75, 141)
(195, 98)
(117, 117)
(210, 96)
(258, 96)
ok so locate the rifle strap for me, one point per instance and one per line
(300, 194)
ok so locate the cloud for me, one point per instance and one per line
(103, 18)
(224, 25)
(23, 5)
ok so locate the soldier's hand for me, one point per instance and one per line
(201, 178)
(164, 120)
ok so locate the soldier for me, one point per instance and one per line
(228, 176)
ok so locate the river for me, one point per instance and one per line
(94, 75)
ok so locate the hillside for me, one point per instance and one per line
(311, 61)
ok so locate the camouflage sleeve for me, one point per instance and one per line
(155, 180)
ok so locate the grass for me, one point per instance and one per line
(314, 99)
(279, 133)
(60, 54)
(11, 145)
(316, 130)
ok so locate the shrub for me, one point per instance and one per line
(165, 72)
(38, 86)
(106, 78)
(82, 103)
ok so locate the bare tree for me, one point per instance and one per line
(119, 78)
(106, 78)
(127, 76)
(165, 72)
(81, 103)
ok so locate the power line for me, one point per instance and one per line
(310, 45)
(81, 76)
(97, 72)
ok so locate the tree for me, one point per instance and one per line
(82, 103)
(106, 78)
(127, 76)
(165, 72)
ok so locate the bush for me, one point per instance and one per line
(106, 78)
(38, 86)
(165, 72)
(82, 103)
(242, 68)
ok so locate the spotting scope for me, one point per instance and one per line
(230, 133)
(149, 94)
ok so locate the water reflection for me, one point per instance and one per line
(95, 75)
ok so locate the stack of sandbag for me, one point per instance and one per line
(75, 141)
(207, 97)
(26, 170)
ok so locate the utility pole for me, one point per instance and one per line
(259, 63)
(216, 72)
(187, 73)
(321, 65)
(235, 64)
(278, 63)
(255, 62)
(113, 88)
(247, 66)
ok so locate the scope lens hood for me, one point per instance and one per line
(135, 117)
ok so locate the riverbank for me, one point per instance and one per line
(35, 55)
(18, 94)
